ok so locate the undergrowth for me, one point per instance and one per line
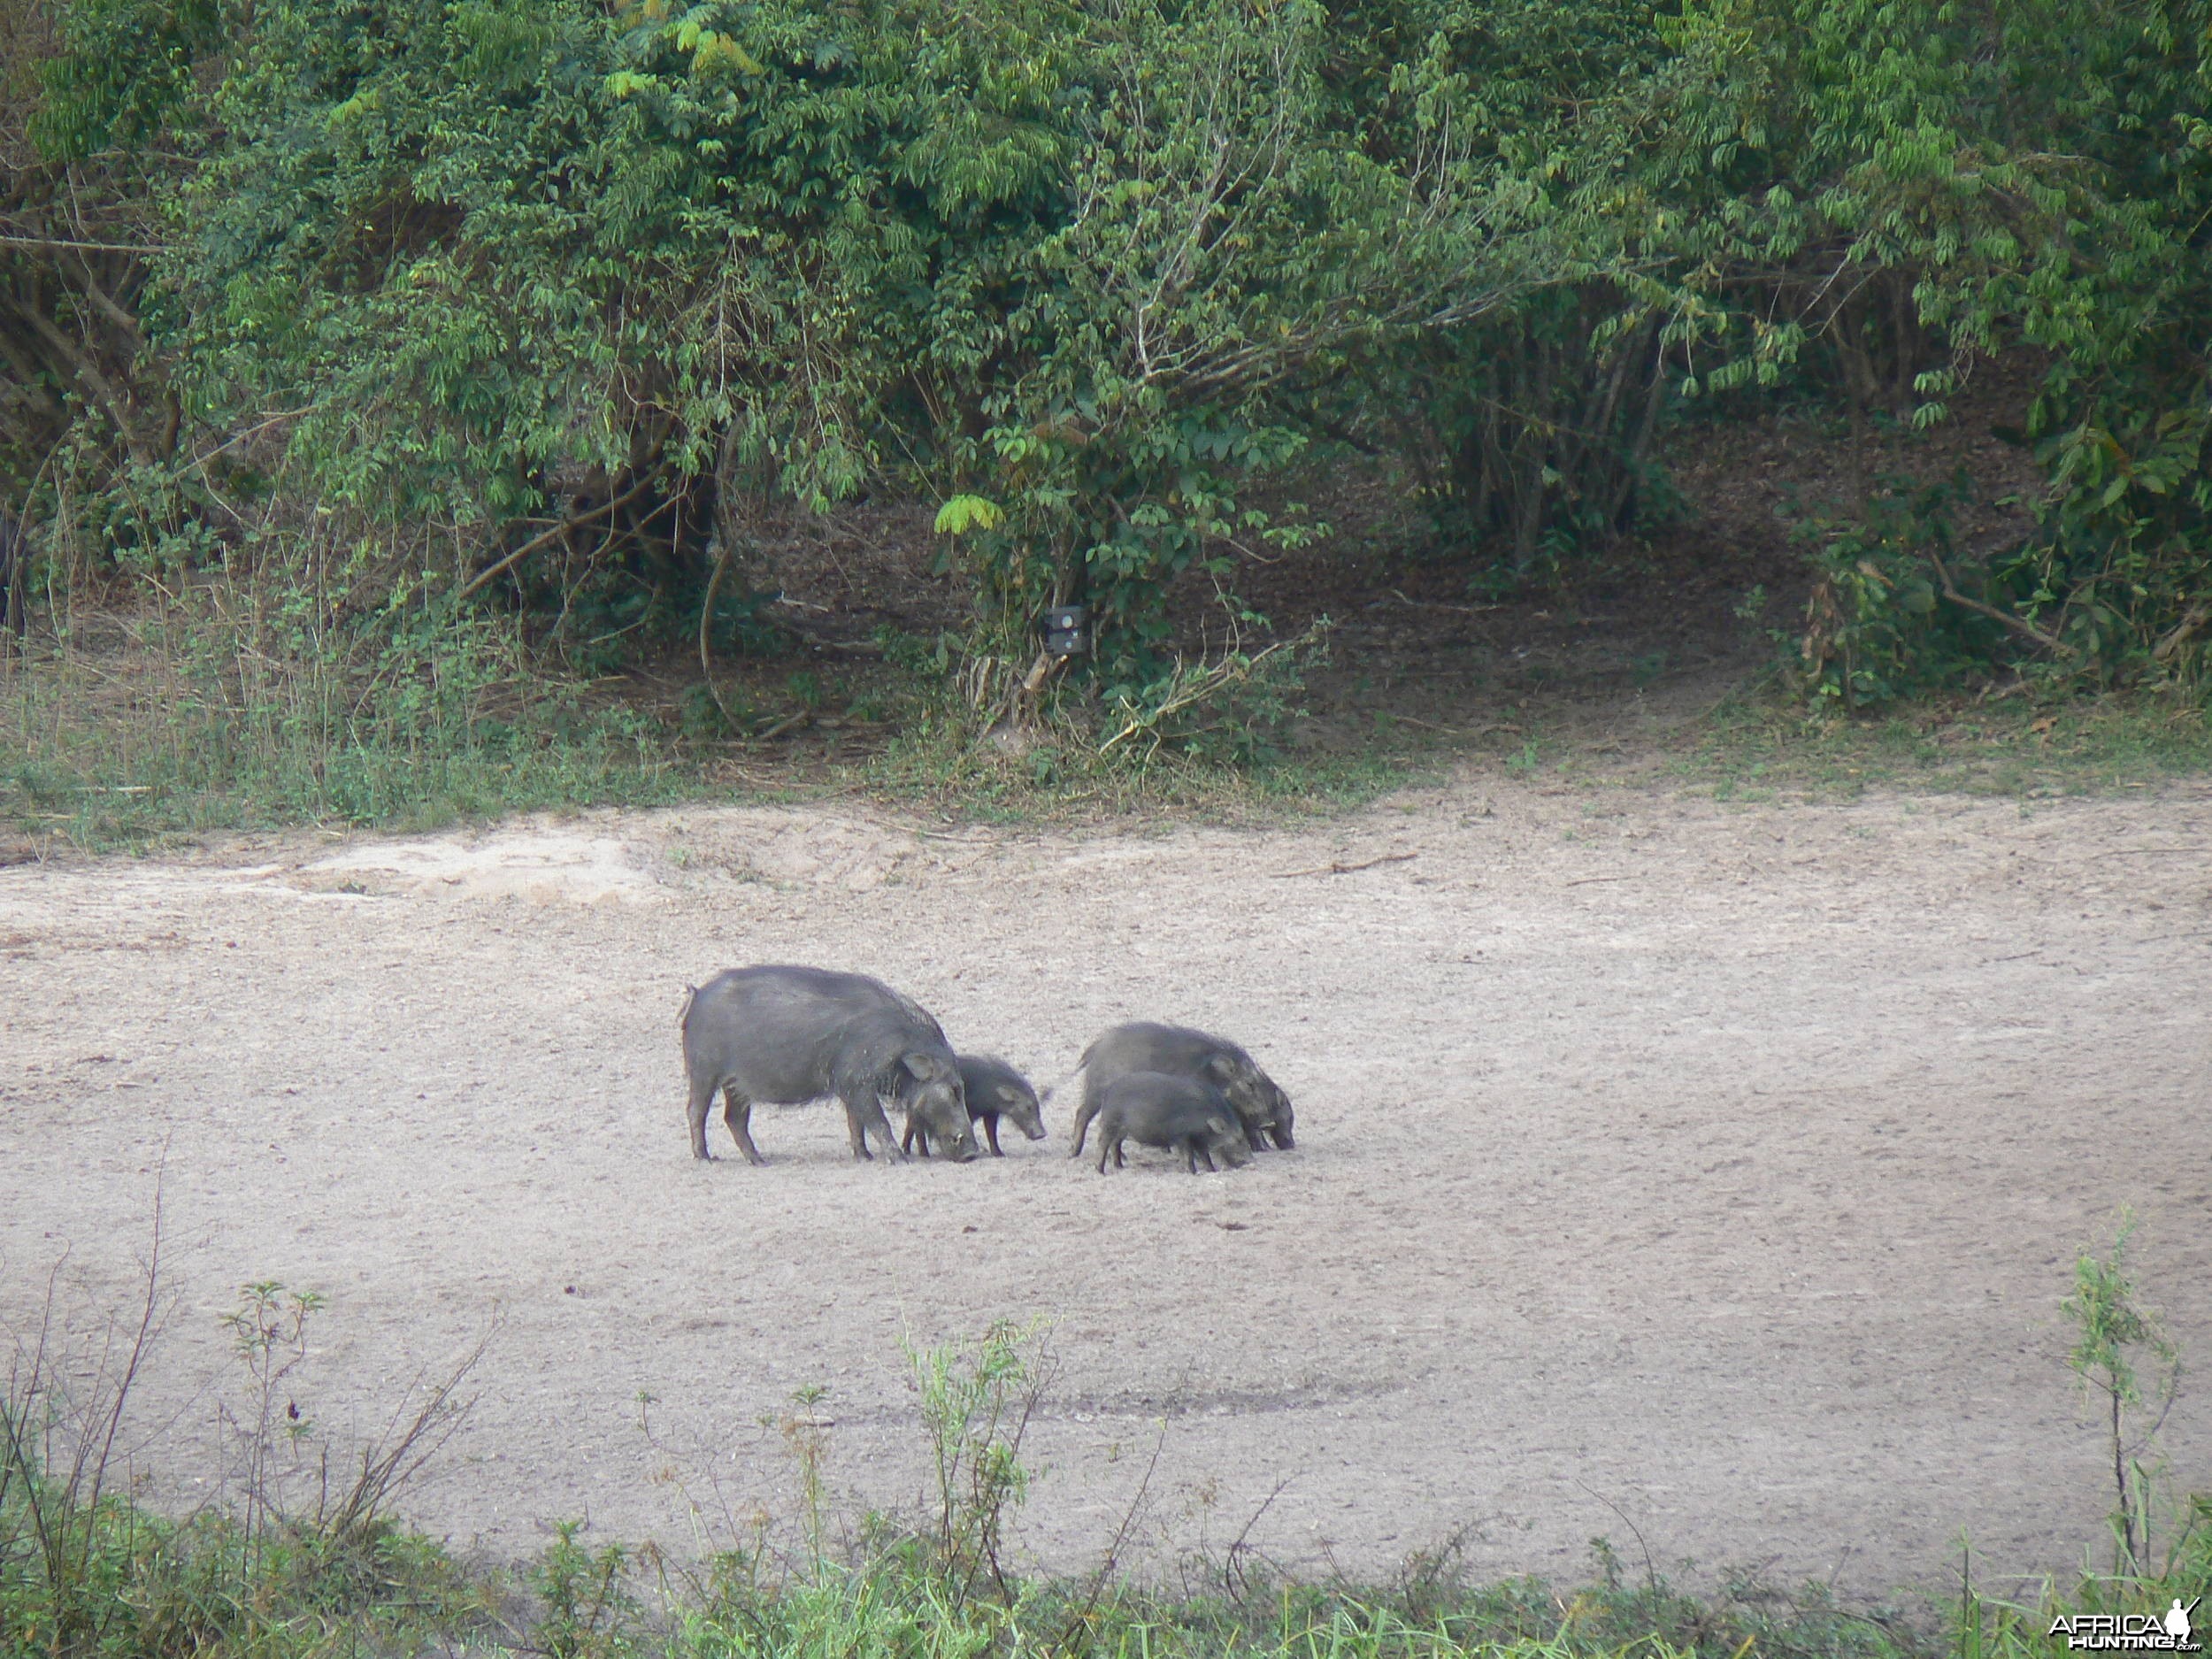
(136, 743)
(135, 739)
(1754, 744)
(143, 735)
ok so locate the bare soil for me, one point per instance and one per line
(1705, 1173)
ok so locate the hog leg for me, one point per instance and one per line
(701, 1098)
(737, 1111)
(881, 1124)
(1084, 1113)
(868, 1117)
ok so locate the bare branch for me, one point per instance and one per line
(493, 573)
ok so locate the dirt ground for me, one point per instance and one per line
(1700, 1173)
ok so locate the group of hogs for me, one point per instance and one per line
(782, 1035)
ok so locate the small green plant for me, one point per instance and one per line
(802, 1435)
(587, 1608)
(60, 1571)
(1873, 624)
(2118, 1339)
(702, 716)
(268, 1331)
(975, 1408)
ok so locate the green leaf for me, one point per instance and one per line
(963, 512)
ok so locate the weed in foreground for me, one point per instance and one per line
(2119, 1337)
(86, 1572)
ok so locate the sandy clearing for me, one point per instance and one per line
(1722, 1163)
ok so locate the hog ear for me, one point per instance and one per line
(1221, 1068)
(1012, 1097)
(919, 1065)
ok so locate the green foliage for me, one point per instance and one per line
(2121, 575)
(471, 256)
(428, 323)
(2019, 1627)
(136, 1585)
(1878, 626)
(1231, 711)
(2117, 1335)
(585, 1609)
(202, 724)
(1528, 424)
(2036, 744)
(1906, 186)
(86, 1573)
(2150, 1572)
(963, 512)
(975, 1410)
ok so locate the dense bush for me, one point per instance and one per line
(409, 308)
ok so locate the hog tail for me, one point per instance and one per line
(683, 1014)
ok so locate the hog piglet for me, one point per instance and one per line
(995, 1090)
(1177, 1050)
(1183, 1114)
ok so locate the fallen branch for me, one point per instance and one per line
(1437, 604)
(2049, 641)
(1230, 671)
(1343, 869)
(778, 728)
(1453, 731)
(2184, 630)
(493, 573)
(813, 635)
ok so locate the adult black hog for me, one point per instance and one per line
(782, 1035)
(995, 1090)
(1177, 1051)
